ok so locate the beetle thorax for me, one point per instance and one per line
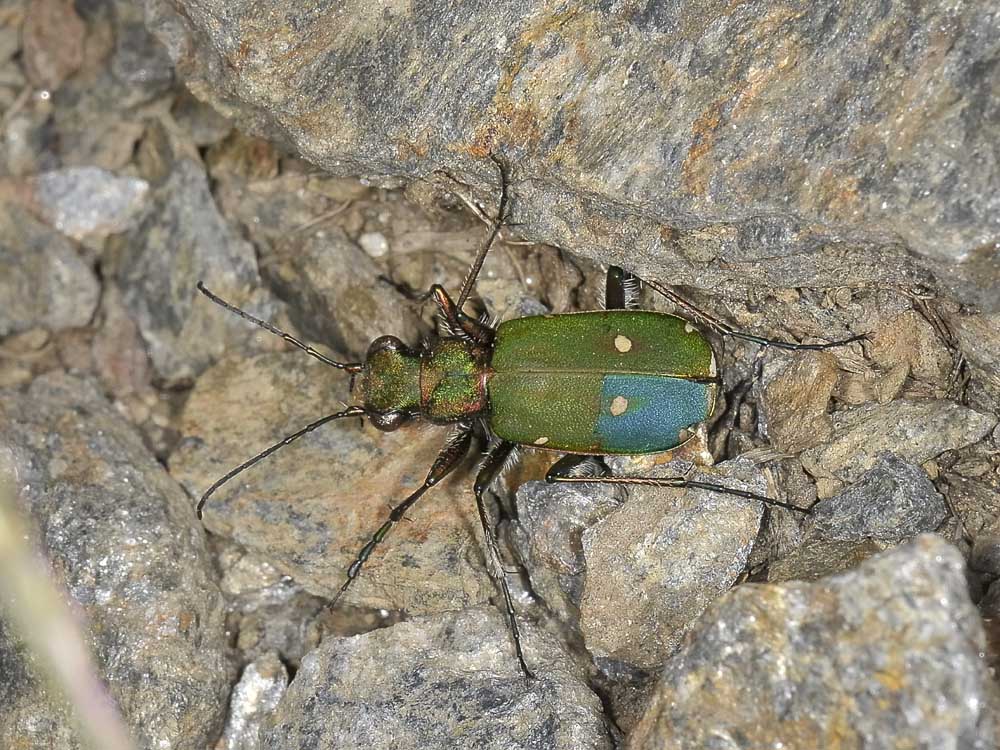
(453, 380)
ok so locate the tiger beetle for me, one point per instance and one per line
(617, 381)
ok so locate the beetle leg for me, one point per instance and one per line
(491, 468)
(621, 290)
(449, 457)
(498, 222)
(725, 329)
(576, 465)
(458, 321)
(676, 482)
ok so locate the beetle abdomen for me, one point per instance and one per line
(616, 381)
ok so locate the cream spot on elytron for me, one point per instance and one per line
(541, 441)
(688, 328)
(619, 405)
(623, 343)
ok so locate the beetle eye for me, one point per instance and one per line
(385, 343)
(388, 421)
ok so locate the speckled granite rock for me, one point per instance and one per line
(657, 562)
(435, 683)
(44, 281)
(182, 239)
(763, 144)
(120, 532)
(913, 430)
(889, 655)
(893, 500)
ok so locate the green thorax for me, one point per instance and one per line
(452, 380)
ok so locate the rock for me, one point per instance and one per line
(976, 503)
(45, 283)
(450, 681)
(915, 431)
(311, 506)
(82, 201)
(724, 147)
(893, 500)
(978, 338)
(797, 390)
(121, 535)
(908, 342)
(547, 535)
(181, 240)
(888, 655)
(818, 558)
(335, 294)
(255, 697)
(656, 563)
(53, 37)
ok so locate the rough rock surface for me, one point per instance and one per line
(790, 145)
(913, 430)
(894, 500)
(44, 281)
(446, 682)
(657, 562)
(888, 655)
(121, 534)
(551, 519)
(181, 240)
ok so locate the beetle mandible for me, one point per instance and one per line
(613, 381)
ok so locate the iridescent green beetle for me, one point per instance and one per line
(614, 381)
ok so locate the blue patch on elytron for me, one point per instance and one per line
(645, 413)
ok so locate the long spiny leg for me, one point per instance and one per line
(477, 264)
(349, 366)
(494, 562)
(554, 476)
(449, 457)
(727, 330)
(354, 411)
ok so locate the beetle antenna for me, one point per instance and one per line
(353, 411)
(727, 330)
(351, 367)
(477, 264)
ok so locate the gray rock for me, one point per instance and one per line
(311, 506)
(335, 295)
(915, 431)
(450, 681)
(656, 563)
(893, 500)
(44, 281)
(888, 655)
(808, 144)
(547, 536)
(181, 240)
(131, 555)
(255, 696)
(82, 201)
